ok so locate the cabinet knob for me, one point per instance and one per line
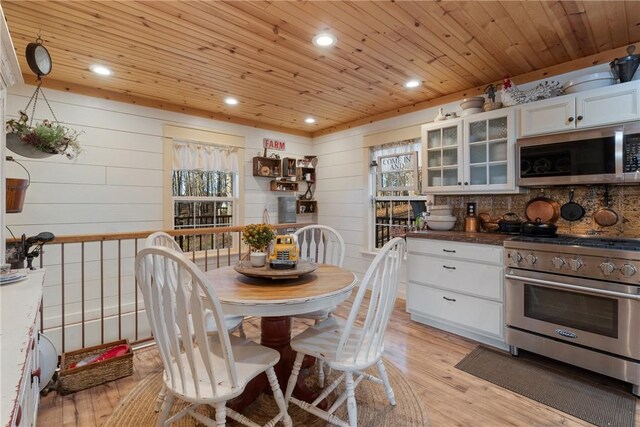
(466, 183)
(36, 373)
(459, 183)
(580, 118)
(570, 119)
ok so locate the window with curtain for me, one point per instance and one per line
(396, 195)
(204, 189)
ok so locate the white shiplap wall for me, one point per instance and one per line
(114, 186)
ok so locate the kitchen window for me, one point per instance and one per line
(395, 191)
(204, 192)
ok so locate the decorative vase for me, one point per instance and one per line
(258, 259)
(440, 115)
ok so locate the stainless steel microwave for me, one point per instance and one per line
(592, 156)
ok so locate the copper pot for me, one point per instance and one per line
(542, 207)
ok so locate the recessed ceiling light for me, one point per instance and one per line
(230, 101)
(100, 69)
(412, 83)
(324, 40)
(310, 120)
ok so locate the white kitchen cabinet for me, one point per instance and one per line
(474, 154)
(458, 287)
(597, 107)
(19, 338)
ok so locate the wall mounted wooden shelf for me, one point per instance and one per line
(306, 206)
(268, 167)
(284, 186)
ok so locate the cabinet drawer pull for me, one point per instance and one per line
(18, 415)
(36, 373)
(449, 251)
(449, 299)
(448, 268)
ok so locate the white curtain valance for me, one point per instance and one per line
(206, 158)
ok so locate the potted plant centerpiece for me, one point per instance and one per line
(42, 139)
(258, 236)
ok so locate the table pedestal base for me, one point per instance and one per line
(275, 334)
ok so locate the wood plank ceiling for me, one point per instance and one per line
(188, 56)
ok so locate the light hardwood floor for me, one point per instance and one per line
(427, 357)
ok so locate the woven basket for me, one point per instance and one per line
(80, 378)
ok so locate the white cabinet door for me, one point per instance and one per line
(474, 314)
(548, 116)
(442, 157)
(608, 105)
(489, 152)
(597, 107)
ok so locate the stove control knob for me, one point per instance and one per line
(557, 262)
(628, 270)
(607, 268)
(531, 259)
(515, 256)
(575, 264)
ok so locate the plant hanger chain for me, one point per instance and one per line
(34, 99)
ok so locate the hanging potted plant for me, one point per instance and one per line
(258, 236)
(41, 140)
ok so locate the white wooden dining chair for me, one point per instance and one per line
(199, 367)
(320, 244)
(232, 323)
(346, 347)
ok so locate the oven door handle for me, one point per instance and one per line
(573, 287)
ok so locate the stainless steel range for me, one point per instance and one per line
(576, 299)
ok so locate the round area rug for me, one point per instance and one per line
(374, 409)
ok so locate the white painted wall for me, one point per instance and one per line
(115, 185)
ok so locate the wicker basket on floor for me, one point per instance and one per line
(82, 377)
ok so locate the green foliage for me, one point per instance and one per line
(46, 136)
(258, 236)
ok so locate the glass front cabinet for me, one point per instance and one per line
(475, 154)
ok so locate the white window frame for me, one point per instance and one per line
(374, 181)
(176, 133)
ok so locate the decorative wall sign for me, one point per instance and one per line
(272, 144)
(398, 172)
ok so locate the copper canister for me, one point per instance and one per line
(471, 224)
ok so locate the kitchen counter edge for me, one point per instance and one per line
(461, 236)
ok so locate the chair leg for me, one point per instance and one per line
(320, 364)
(277, 395)
(221, 414)
(293, 378)
(168, 403)
(160, 399)
(241, 331)
(385, 380)
(351, 400)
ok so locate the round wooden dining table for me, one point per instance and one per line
(275, 301)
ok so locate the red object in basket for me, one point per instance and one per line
(116, 351)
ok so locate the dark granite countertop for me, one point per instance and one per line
(460, 236)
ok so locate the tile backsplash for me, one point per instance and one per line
(624, 200)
